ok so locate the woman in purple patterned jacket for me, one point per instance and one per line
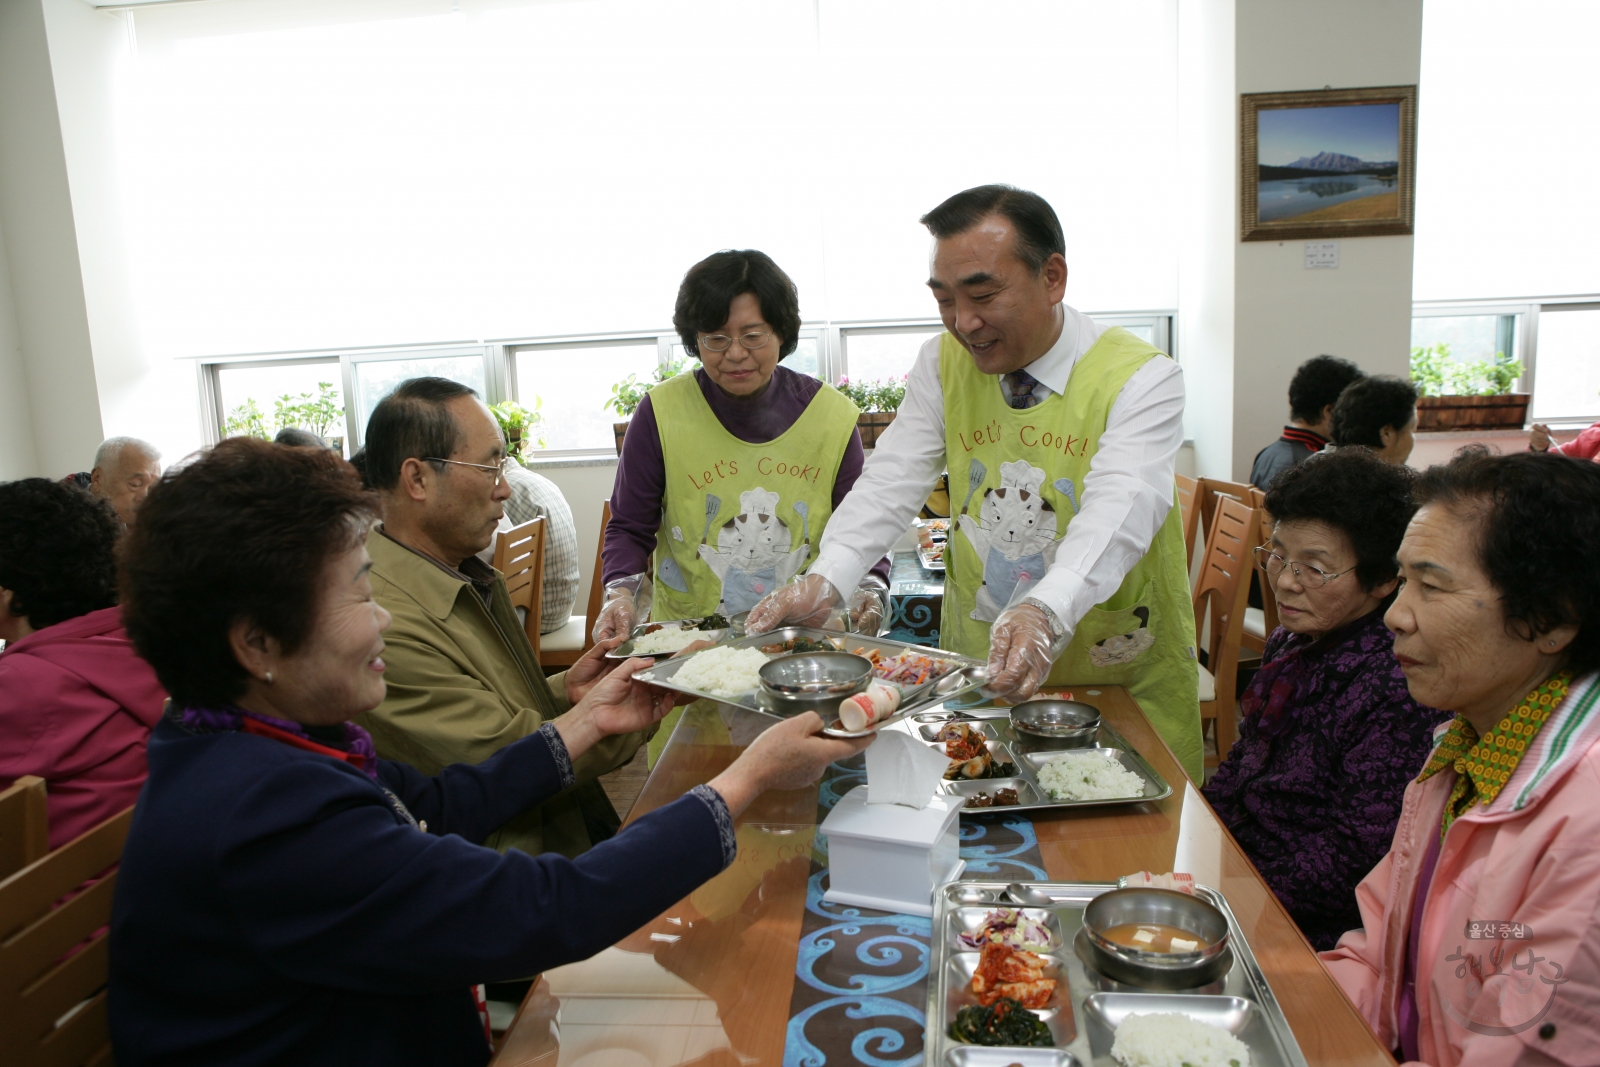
(1328, 733)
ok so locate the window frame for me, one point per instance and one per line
(661, 341)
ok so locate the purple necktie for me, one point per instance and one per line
(1020, 385)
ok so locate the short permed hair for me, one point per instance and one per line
(1369, 405)
(411, 423)
(710, 286)
(1538, 514)
(1356, 493)
(1039, 234)
(57, 551)
(244, 532)
(1316, 386)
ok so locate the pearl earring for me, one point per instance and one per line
(269, 673)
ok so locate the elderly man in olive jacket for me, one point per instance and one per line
(463, 681)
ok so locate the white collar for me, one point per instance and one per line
(1054, 367)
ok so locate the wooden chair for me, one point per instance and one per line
(1220, 598)
(1210, 490)
(24, 825)
(1188, 493)
(53, 1006)
(564, 647)
(519, 556)
(1260, 622)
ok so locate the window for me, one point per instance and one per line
(1566, 384)
(1470, 337)
(376, 376)
(262, 398)
(572, 384)
(874, 354)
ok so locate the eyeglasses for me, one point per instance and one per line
(752, 340)
(499, 469)
(1274, 564)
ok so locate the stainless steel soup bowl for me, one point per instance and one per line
(1056, 723)
(1165, 906)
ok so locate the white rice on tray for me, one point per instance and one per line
(666, 639)
(1089, 776)
(724, 671)
(1168, 1039)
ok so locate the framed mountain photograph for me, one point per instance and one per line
(1328, 163)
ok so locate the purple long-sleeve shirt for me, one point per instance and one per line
(1328, 739)
(637, 495)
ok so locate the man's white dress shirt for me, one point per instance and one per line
(1126, 495)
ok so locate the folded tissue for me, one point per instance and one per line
(893, 842)
(901, 770)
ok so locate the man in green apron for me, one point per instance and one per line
(1066, 561)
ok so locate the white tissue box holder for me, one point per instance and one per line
(891, 857)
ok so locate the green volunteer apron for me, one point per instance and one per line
(738, 520)
(1028, 466)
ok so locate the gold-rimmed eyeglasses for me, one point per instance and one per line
(1274, 564)
(499, 469)
(752, 340)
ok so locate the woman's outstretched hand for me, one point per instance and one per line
(590, 668)
(790, 755)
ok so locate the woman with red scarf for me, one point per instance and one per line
(1328, 733)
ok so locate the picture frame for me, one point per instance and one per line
(1318, 163)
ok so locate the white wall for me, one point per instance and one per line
(18, 459)
(140, 395)
(41, 244)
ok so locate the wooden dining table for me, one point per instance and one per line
(729, 977)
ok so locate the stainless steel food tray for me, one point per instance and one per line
(662, 672)
(625, 650)
(929, 563)
(1241, 1001)
(995, 723)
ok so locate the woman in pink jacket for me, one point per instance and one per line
(76, 702)
(1481, 927)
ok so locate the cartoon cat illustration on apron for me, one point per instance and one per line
(1014, 535)
(752, 557)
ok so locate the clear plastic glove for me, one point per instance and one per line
(1021, 650)
(626, 603)
(869, 606)
(811, 601)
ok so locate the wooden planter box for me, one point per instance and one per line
(621, 430)
(1505, 412)
(872, 424)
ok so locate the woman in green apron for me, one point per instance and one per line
(729, 475)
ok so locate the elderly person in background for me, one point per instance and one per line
(1585, 446)
(1313, 391)
(296, 437)
(462, 679)
(1328, 734)
(1379, 413)
(76, 703)
(1479, 928)
(534, 496)
(285, 896)
(124, 470)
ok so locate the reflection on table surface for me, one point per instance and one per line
(709, 982)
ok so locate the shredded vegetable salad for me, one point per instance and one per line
(905, 670)
(1008, 926)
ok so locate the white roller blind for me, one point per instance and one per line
(377, 172)
(1506, 157)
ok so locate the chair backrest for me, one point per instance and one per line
(1210, 490)
(24, 824)
(1224, 589)
(1269, 596)
(1188, 493)
(519, 555)
(597, 585)
(37, 928)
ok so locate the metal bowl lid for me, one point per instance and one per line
(817, 673)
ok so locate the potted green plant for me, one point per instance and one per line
(878, 400)
(1457, 395)
(520, 425)
(626, 395)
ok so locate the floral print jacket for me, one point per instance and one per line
(1329, 737)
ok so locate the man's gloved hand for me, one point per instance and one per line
(627, 602)
(868, 606)
(811, 601)
(1022, 647)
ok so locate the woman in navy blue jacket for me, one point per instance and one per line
(287, 897)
